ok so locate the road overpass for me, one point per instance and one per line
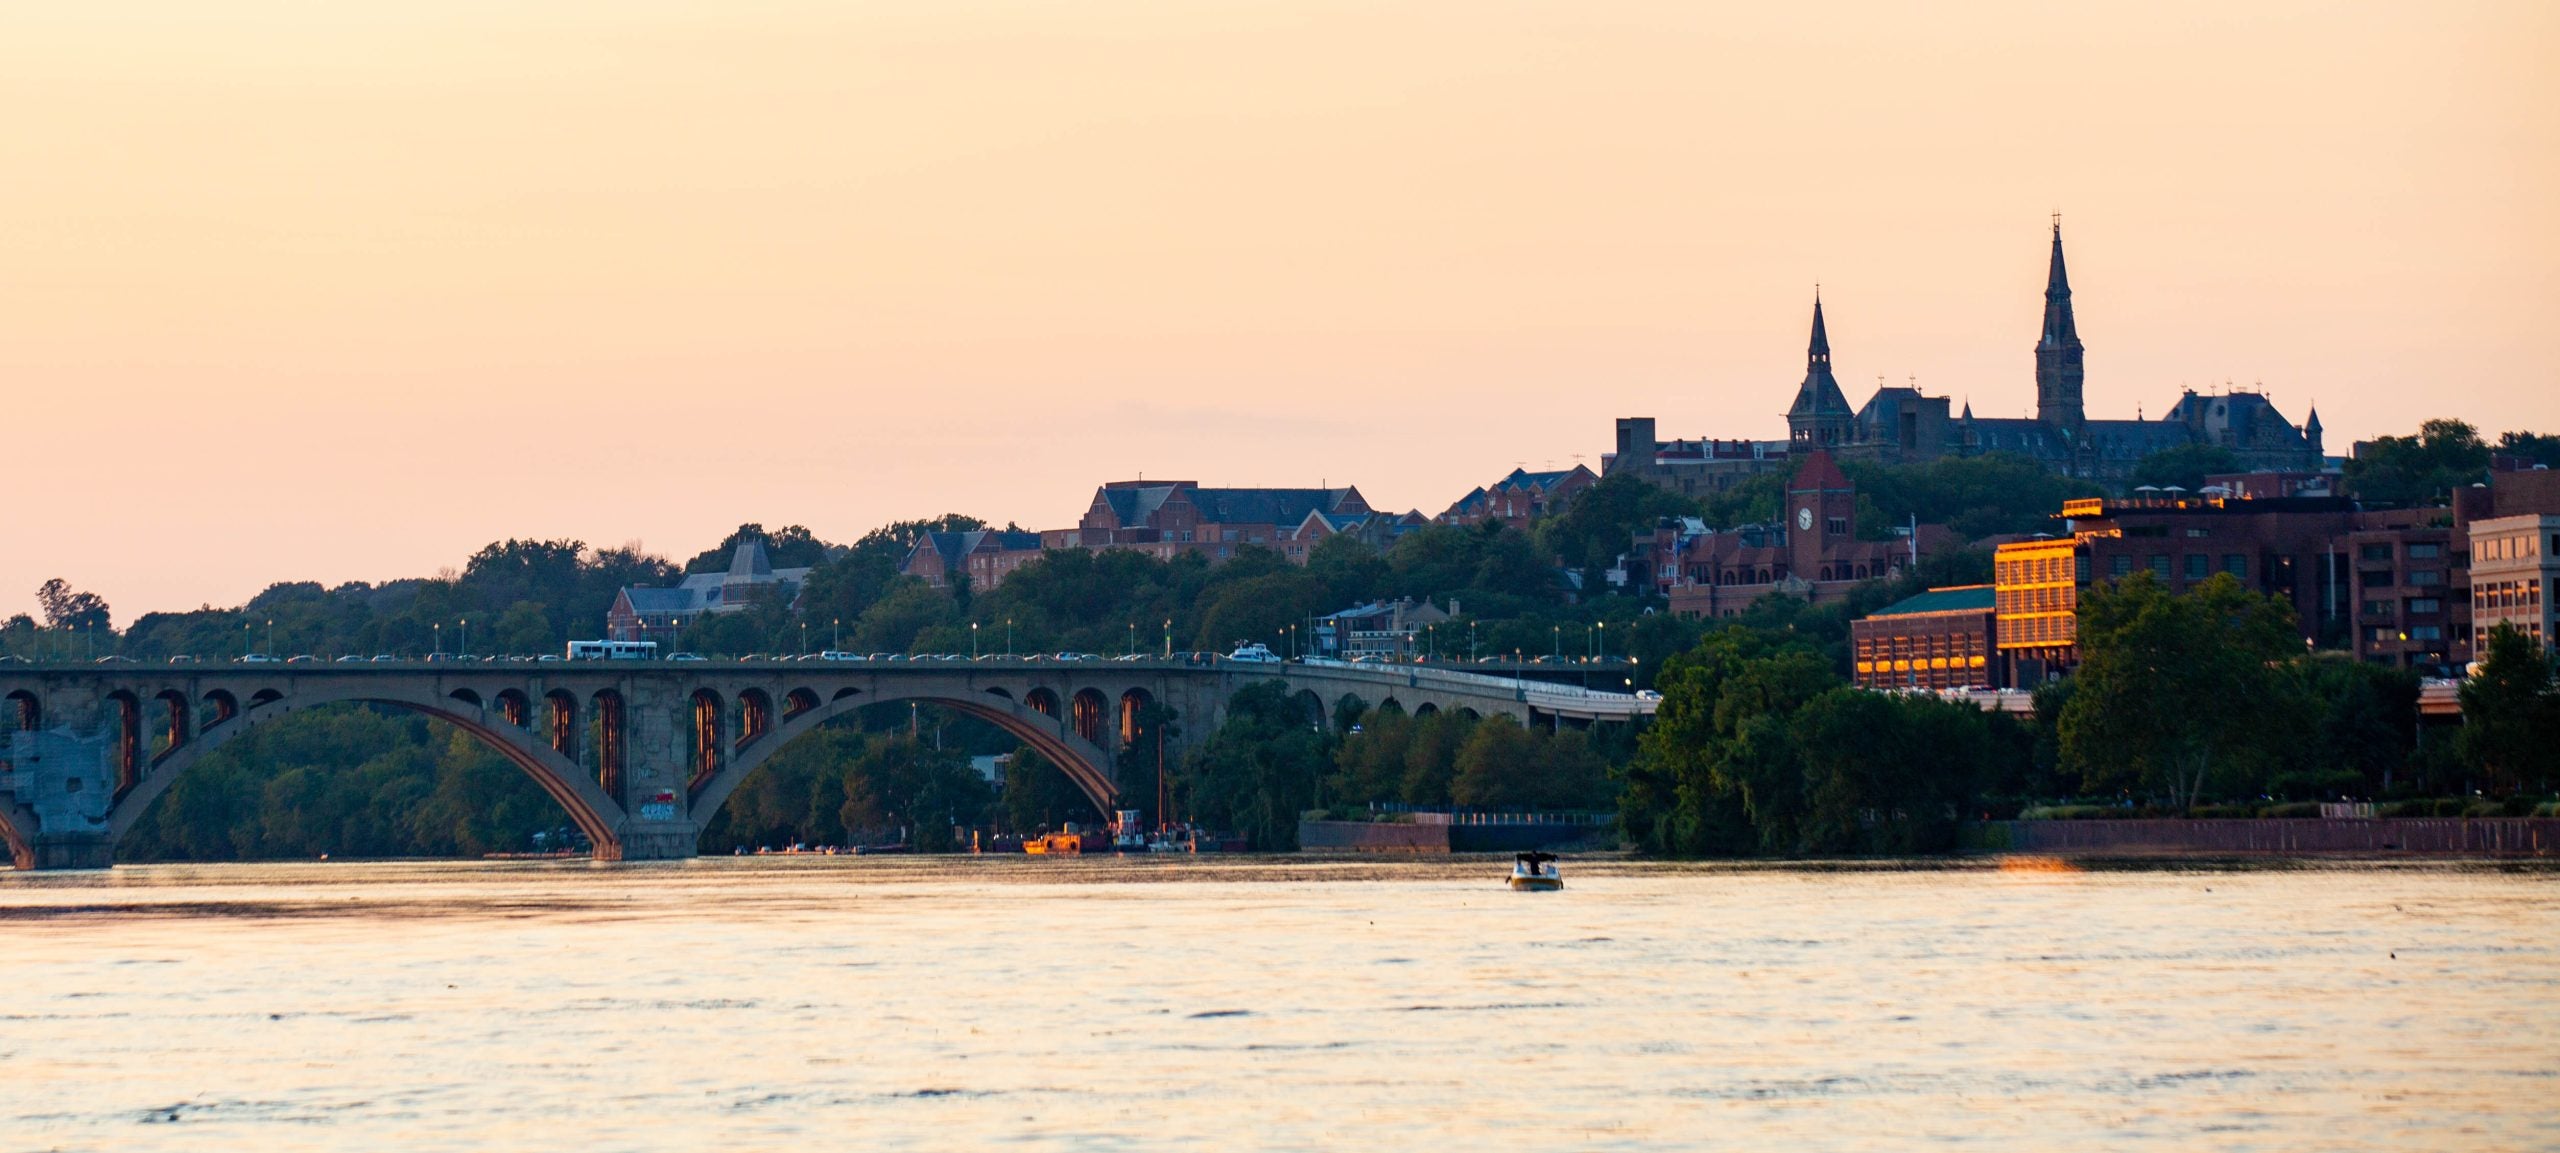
(642, 754)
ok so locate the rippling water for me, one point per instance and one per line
(1272, 1003)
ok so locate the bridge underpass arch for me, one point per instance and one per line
(1084, 762)
(595, 813)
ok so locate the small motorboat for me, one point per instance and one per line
(1535, 872)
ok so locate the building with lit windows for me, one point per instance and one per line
(2515, 566)
(1941, 639)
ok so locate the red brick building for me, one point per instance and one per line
(1813, 553)
(1520, 497)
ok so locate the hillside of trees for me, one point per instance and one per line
(1761, 746)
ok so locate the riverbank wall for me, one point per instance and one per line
(2390, 836)
(1418, 837)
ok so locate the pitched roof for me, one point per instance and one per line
(1955, 598)
(750, 559)
(1818, 472)
(1265, 505)
(1820, 393)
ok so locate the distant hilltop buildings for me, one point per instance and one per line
(1901, 425)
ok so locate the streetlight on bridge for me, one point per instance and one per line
(973, 640)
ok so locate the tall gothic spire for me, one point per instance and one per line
(2059, 331)
(1821, 416)
(2059, 369)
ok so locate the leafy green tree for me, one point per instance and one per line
(1259, 608)
(1604, 520)
(2540, 448)
(2420, 469)
(1257, 772)
(1861, 799)
(910, 607)
(2509, 735)
(68, 608)
(793, 546)
(1715, 773)
(2186, 466)
(2170, 687)
(1976, 496)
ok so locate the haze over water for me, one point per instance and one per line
(1268, 1003)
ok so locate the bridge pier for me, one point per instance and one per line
(59, 771)
(70, 851)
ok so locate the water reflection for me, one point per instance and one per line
(1276, 1003)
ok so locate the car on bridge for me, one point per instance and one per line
(1256, 653)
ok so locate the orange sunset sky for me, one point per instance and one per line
(341, 291)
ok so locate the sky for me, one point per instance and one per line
(310, 290)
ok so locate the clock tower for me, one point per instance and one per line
(1821, 514)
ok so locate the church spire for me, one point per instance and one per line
(1818, 352)
(1820, 417)
(2059, 369)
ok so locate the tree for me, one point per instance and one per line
(2185, 466)
(2413, 470)
(2508, 730)
(2538, 448)
(1258, 770)
(67, 608)
(2170, 686)
(893, 622)
(1603, 520)
(1715, 773)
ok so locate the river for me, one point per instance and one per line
(1276, 1003)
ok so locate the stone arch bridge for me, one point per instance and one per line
(642, 754)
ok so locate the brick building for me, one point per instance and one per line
(985, 556)
(1517, 499)
(1814, 553)
(1944, 638)
(2395, 586)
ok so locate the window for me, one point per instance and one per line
(1835, 526)
(2374, 552)
(2160, 565)
(2199, 566)
(2426, 605)
(2426, 576)
(2426, 633)
(2426, 551)
(2198, 533)
(2080, 568)
(2379, 610)
(2236, 564)
(2120, 566)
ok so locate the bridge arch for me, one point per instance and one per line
(706, 738)
(594, 812)
(1086, 709)
(1133, 705)
(177, 715)
(225, 707)
(1084, 762)
(1043, 701)
(26, 713)
(611, 724)
(128, 740)
(562, 705)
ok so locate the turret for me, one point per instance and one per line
(1820, 417)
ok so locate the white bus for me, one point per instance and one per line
(613, 650)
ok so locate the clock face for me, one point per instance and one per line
(1804, 519)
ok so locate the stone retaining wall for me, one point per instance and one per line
(2423, 836)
